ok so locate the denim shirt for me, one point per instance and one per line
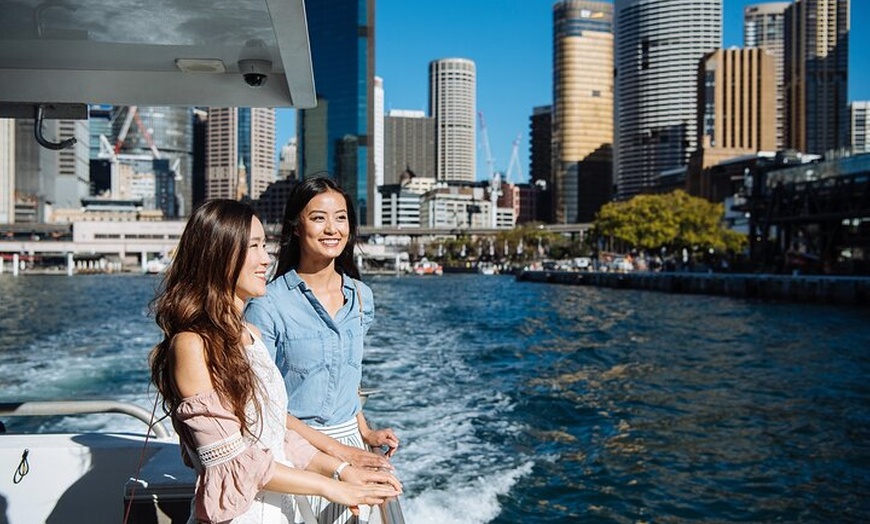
(320, 358)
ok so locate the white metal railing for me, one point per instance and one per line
(80, 407)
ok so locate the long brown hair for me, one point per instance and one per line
(290, 252)
(198, 295)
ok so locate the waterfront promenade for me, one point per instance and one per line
(840, 290)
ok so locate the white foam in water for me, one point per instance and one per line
(475, 503)
(450, 473)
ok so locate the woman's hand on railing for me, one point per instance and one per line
(379, 438)
(352, 495)
(362, 458)
(357, 475)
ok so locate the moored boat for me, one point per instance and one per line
(426, 267)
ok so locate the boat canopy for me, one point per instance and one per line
(65, 54)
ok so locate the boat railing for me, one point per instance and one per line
(391, 509)
(81, 407)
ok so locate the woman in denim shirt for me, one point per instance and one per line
(313, 319)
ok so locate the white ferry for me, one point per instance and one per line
(57, 57)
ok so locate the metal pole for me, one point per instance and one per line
(15, 264)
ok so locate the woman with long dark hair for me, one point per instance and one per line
(222, 390)
(313, 319)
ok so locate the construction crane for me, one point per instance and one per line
(133, 114)
(490, 162)
(113, 153)
(494, 177)
(515, 161)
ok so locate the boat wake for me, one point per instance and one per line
(474, 503)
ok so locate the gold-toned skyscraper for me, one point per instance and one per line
(582, 117)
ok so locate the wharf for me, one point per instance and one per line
(841, 290)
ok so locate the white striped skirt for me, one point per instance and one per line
(328, 512)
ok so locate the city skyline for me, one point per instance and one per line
(511, 46)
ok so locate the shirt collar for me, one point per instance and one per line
(293, 280)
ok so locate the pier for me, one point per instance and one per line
(840, 290)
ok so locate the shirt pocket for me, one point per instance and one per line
(304, 358)
(354, 336)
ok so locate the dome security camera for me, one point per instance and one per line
(255, 72)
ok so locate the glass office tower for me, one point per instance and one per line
(335, 136)
(658, 47)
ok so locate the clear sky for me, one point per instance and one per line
(510, 42)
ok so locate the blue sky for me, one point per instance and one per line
(510, 42)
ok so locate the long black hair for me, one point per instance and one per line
(288, 256)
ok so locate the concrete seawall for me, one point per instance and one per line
(854, 291)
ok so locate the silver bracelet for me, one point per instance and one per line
(341, 467)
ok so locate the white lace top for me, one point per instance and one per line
(231, 468)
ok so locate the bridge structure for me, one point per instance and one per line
(83, 244)
(442, 232)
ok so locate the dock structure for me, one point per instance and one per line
(827, 289)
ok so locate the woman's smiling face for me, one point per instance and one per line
(252, 279)
(324, 227)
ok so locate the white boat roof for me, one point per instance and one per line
(127, 52)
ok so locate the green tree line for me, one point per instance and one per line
(648, 223)
(674, 221)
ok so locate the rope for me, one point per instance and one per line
(22, 469)
(141, 461)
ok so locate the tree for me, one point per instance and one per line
(674, 220)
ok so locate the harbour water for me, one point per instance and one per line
(521, 402)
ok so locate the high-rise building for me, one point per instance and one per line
(240, 152)
(287, 161)
(378, 149)
(160, 132)
(541, 162)
(658, 46)
(860, 138)
(816, 75)
(48, 179)
(335, 137)
(7, 171)
(582, 117)
(452, 103)
(409, 138)
(736, 110)
(764, 27)
(72, 182)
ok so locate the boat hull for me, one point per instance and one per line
(80, 477)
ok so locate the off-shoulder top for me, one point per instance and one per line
(233, 468)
